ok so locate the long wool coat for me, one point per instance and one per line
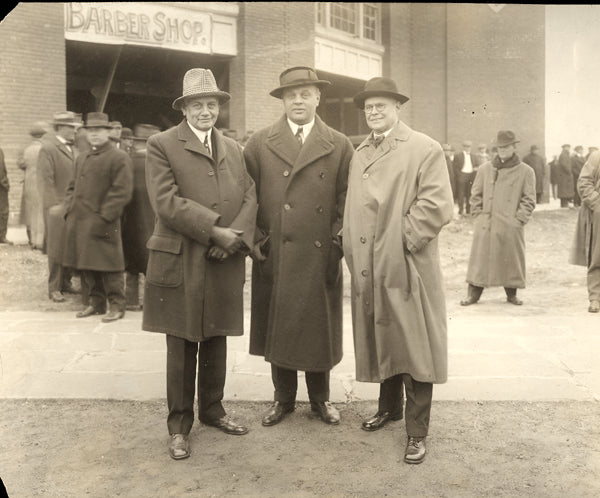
(399, 198)
(586, 244)
(33, 209)
(138, 218)
(566, 188)
(297, 290)
(94, 202)
(538, 163)
(187, 295)
(502, 201)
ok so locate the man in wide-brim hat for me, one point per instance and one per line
(399, 198)
(205, 205)
(502, 202)
(94, 202)
(300, 166)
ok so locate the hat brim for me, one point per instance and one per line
(504, 144)
(222, 97)
(359, 98)
(72, 125)
(108, 127)
(278, 92)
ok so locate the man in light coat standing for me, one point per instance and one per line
(586, 247)
(300, 166)
(205, 204)
(399, 198)
(502, 202)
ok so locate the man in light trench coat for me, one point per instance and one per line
(300, 166)
(586, 246)
(205, 204)
(502, 201)
(399, 198)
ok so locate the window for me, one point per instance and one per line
(360, 20)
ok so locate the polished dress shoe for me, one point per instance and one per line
(594, 306)
(227, 425)
(514, 300)
(378, 420)
(470, 300)
(326, 411)
(57, 297)
(113, 316)
(415, 450)
(89, 311)
(276, 413)
(179, 446)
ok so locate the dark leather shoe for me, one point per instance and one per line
(228, 426)
(89, 311)
(415, 450)
(57, 297)
(276, 413)
(6, 241)
(328, 413)
(179, 446)
(69, 289)
(378, 420)
(514, 300)
(469, 301)
(594, 306)
(113, 316)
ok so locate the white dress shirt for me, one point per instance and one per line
(202, 135)
(306, 128)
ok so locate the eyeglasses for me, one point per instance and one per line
(377, 107)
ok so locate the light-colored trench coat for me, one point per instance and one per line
(586, 244)
(502, 201)
(187, 295)
(399, 198)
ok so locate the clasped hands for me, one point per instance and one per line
(226, 241)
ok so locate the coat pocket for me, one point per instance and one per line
(165, 264)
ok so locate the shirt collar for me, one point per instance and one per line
(200, 134)
(305, 127)
(63, 141)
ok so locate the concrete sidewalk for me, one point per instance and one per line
(523, 355)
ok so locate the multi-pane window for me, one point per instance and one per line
(361, 20)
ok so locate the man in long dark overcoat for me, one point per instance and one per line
(94, 203)
(564, 180)
(399, 198)
(586, 246)
(502, 203)
(300, 166)
(538, 163)
(577, 162)
(205, 204)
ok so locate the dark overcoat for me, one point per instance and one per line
(538, 163)
(502, 202)
(297, 290)
(565, 176)
(94, 203)
(586, 244)
(399, 198)
(138, 218)
(187, 295)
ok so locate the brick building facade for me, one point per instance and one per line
(469, 69)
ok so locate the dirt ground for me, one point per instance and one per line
(74, 448)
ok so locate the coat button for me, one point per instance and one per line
(363, 240)
(214, 206)
(211, 173)
(365, 175)
(319, 209)
(364, 273)
(287, 207)
(317, 243)
(286, 173)
(322, 174)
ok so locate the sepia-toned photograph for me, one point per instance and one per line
(327, 249)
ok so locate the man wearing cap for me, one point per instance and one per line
(138, 216)
(55, 168)
(94, 203)
(465, 165)
(399, 198)
(126, 141)
(300, 166)
(565, 176)
(538, 163)
(586, 246)
(205, 204)
(502, 202)
(577, 162)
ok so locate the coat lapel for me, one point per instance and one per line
(63, 148)
(400, 133)
(192, 142)
(319, 143)
(281, 141)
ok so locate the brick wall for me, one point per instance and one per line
(272, 37)
(32, 81)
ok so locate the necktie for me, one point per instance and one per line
(299, 136)
(377, 139)
(207, 145)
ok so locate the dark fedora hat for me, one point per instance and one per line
(297, 76)
(126, 134)
(505, 137)
(379, 87)
(97, 120)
